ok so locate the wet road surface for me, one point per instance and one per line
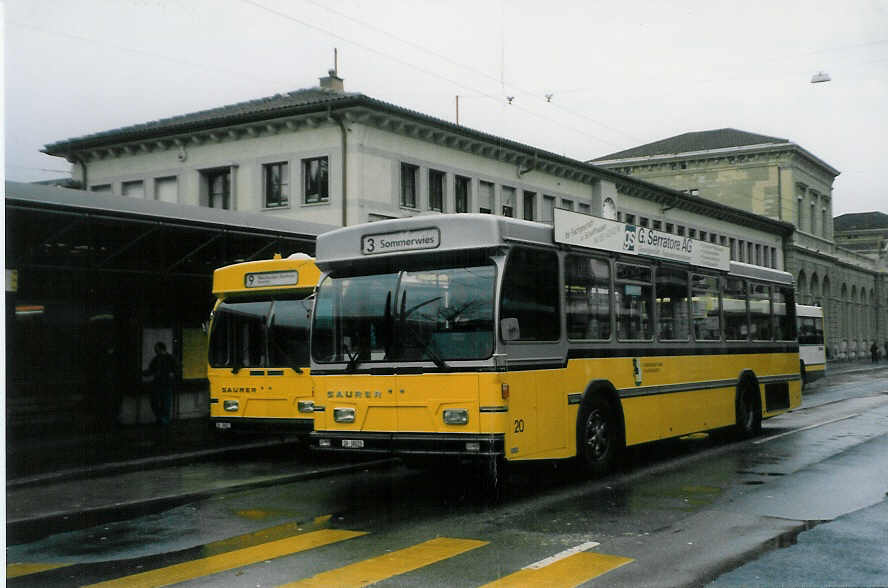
(677, 513)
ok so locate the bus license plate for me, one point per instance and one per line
(353, 443)
(223, 425)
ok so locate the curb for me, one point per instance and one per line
(119, 467)
(28, 529)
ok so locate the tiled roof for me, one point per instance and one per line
(695, 141)
(861, 220)
(261, 108)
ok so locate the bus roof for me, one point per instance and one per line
(455, 232)
(438, 232)
(293, 272)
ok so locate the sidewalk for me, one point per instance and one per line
(851, 550)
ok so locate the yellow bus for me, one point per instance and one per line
(489, 338)
(812, 346)
(258, 345)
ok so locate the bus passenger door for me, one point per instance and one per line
(537, 411)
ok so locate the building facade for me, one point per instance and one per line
(778, 179)
(328, 156)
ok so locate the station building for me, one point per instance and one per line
(778, 179)
(324, 157)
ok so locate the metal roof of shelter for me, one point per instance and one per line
(58, 228)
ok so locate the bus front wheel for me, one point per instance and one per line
(598, 437)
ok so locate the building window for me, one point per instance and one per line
(658, 225)
(813, 218)
(548, 209)
(741, 250)
(409, 173)
(692, 233)
(529, 205)
(680, 230)
(508, 201)
(485, 197)
(585, 209)
(462, 193)
(630, 219)
(218, 188)
(134, 189)
(276, 184)
(750, 257)
(436, 190)
(567, 204)
(317, 179)
(723, 241)
(102, 189)
(670, 228)
(703, 235)
(643, 222)
(166, 189)
(733, 249)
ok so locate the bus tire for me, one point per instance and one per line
(598, 436)
(802, 374)
(748, 410)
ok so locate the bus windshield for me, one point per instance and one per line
(423, 315)
(261, 333)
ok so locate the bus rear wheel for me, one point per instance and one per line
(598, 437)
(749, 412)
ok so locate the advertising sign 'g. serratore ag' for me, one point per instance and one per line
(572, 228)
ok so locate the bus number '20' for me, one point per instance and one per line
(519, 425)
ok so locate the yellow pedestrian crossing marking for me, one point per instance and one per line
(392, 564)
(232, 559)
(570, 571)
(14, 570)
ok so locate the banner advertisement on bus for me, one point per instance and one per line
(573, 228)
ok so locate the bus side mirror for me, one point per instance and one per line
(509, 329)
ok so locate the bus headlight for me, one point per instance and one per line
(456, 416)
(306, 406)
(231, 405)
(344, 415)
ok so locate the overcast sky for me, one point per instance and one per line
(621, 74)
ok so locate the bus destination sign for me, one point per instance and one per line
(572, 228)
(400, 241)
(268, 279)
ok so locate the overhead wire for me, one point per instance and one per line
(413, 66)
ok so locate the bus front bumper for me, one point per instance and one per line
(463, 445)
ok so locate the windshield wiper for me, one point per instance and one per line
(406, 328)
(353, 359)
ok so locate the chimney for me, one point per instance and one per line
(332, 82)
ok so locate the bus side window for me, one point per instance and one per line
(734, 303)
(530, 294)
(707, 326)
(784, 314)
(634, 293)
(760, 312)
(587, 293)
(672, 304)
